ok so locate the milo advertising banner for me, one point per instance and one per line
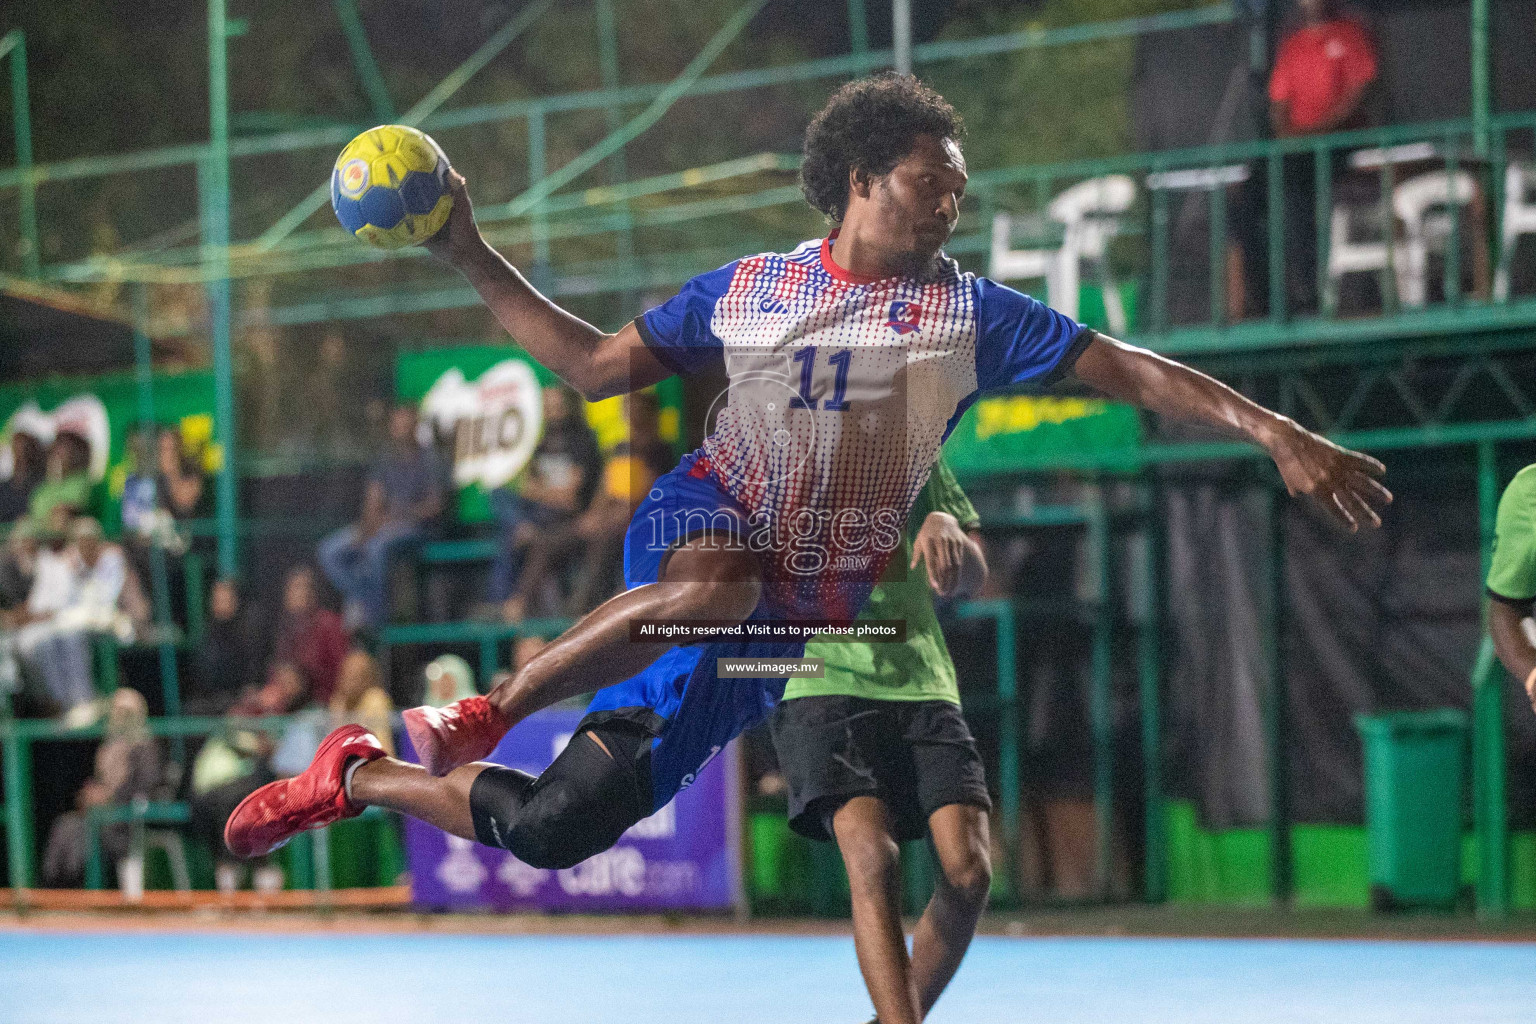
(104, 411)
(1008, 433)
(488, 399)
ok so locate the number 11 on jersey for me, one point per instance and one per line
(841, 360)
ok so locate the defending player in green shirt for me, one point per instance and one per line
(1512, 579)
(877, 751)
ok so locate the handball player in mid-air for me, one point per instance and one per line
(850, 359)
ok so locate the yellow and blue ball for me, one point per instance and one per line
(390, 187)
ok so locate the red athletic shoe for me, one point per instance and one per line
(280, 810)
(463, 732)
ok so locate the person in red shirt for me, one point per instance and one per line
(1321, 73)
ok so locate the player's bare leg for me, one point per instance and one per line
(863, 829)
(409, 789)
(963, 879)
(702, 580)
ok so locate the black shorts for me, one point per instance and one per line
(916, 756)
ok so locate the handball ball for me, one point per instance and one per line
(390, 187)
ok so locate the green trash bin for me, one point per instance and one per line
(1414, 783)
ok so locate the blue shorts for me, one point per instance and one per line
(677, 698)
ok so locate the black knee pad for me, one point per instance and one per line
(578, 807)
(496, 798)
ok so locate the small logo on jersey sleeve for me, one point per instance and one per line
(905, 317)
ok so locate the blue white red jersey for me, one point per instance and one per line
(841, 391)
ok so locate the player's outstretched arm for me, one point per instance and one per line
(596, 364)
(1343, 482)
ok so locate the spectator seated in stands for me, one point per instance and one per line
(77, 590)
(66, 482)
(26, 472)
(308, 636)
(165, 487)
(128, 768)
(404, 493)
(360, 699)
(597, 535)
(557, 487)
(227, 662)
(181, 488)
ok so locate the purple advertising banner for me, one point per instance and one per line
(686, 856)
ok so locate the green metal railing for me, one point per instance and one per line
(18, 737)
(1020, 188)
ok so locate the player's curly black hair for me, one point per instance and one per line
(872, 123)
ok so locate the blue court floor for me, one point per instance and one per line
(85, 978)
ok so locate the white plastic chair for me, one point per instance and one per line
(1089, 213)
(1519, 218)
(1413, 202)
(1346, 255)
(1414, 206)
(1010, 264)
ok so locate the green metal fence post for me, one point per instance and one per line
(1277, 710)
(18, 807)
(1452, 282)
(15, 42)
(901, 36)
(214, 179)
(1498, 167)
(1276, 209)
(1150, 673)
(1160, 225)
(618, 164)
(1387, 275)
(1489, 815)
(95, 873)
(1218, 242)
(1487, 500)
(320, 856)
(1489, 811)
(1322, 170)
(1009, 785)
(537, 168)
(488, 659)
(1101, 697)
(1482, 67)
(858, 27)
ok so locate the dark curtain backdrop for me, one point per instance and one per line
(1383, 621)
